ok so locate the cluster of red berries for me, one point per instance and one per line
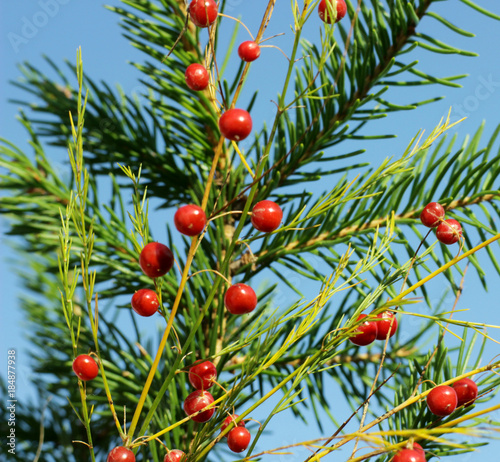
(236, 124)
(157, 259)
(201, 376)
(447, 231)
(238, 437)
(443, 400)
(123, 454)
(369, 331)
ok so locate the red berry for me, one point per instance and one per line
(466, 390)
(442, 400)
(203, 375)
(432, 215)
(156, 259)
(336, 5)
(238, 439)
(240, 299)
(368, 332)
(408, 455)
(249, 51)
(175, 455)
(203, 12)
(197, 77)
(190, 220)
(389, 322)
(449, 231)
(195, 402)
(266, 216)
(145, 302)
(121, 454)
(419, 449)
(235, 124)
(229, 421)
(85, 367)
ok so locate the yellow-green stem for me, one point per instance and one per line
(445, 267)
(178, 297)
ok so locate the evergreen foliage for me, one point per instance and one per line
(356, 241)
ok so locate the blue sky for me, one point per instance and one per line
(57, 27)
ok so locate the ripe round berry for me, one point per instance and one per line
(195, 402)
(388, 322)
(338, 6)
(249, 51)
(266, 216)
(156, 259)
(449, 231)
(203, 12)
(229, 420)
(240, 299)
(175, 455)
(235, 124)
(190, 220)
(408, 455)
(85, 367)
(368, 332)
(238, 439)
(419, 449)
(442, 400)
(432, 215)
(145, 302)
(121, 454)
(203, 375)
(466, 390)
(197, 77)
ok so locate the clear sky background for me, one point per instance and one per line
(57, 27)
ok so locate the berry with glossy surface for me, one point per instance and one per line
(203, 12)
(442, 400)
(432, 215)
(466, 390)
(195, 402)
(449, 231)
(249, 51)
(145, 302)
(197, 77)
(419, 449)
(238, 439)
(240, 299)
(121, 454)
(338, 6)
(156, 259)
(85, 367)
(388, 323)
(235, 124)
(408, 455)
(190, 220)
(266, 216)
(175, 455)
(229, 420)
(367, 332)
(203, 375)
